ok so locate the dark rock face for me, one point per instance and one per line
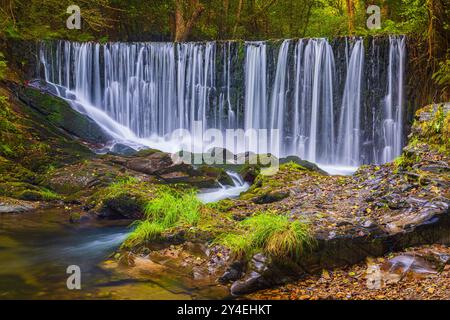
(262, 273)
(60, 113)
(126, 206)
(122, 149)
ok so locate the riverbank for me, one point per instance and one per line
(291, 224)
(418, 273)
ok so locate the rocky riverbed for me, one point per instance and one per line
(342, 220)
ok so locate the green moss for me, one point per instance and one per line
(434, 132)
(27, 191)
(269, 184)
(146, 152)
(60, 114)
(222, 205)
(125, 196)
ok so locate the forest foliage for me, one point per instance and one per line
(195, 20)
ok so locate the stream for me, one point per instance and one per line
(37, 247)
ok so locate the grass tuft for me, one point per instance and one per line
(274, 235)
(168, 210)
(145, 231)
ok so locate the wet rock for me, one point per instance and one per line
(122, 149)
(218, 174)
(59, 113)
(249, 172)
(395, 201)
(253, 282)
(263, 272)
(234, 272)
(122, 206)
(79, 217)
(428, 213)
(15, 206)
(151, 163)
(396, 269)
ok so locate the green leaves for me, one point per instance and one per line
(3, 66)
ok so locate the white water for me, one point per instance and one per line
(141, 92)
(225, 192)
(349, 124)
(394, 100)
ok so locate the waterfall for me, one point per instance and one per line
(256, 108)
(318, 94)
(313, 126)
(349, 137)
(279, 93)
(394, 100)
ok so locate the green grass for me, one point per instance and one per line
(272, 234)
(145, 231)
(168, 210)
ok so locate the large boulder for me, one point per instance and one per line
(59, 113)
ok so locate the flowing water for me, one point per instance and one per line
(36, 249)
(335, 103)
(225, 192)
(320, 95)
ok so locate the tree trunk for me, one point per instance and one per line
(351, 14)
(184, 21)
(238, 17)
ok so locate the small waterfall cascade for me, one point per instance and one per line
(225, 192)
(332, 102)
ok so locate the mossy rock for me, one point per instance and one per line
(14, 172)
(124, 199)
(30, 195)
(60, 113)
(303, 163)
(270, 197)
(249, 172)
(218, 174)
(26, 191)
(146, 152)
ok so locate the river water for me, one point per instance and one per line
(37, 247)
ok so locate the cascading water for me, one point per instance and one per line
(393, 104)
(348, 144)
(141, 92)
(313, 125)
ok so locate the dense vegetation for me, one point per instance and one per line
(425, 21)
